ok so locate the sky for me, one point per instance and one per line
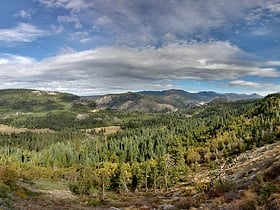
(93, 47)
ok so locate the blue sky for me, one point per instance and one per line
(110, 46)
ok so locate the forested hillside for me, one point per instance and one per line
(163, 101)
(147, 152)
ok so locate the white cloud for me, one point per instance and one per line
(142, 23)
(104, 20)
(82, 37)
(245, 84)
(67, 50)
(67, 4)
(24, 32)
(273, 6)
(169, 19)
(273, 63)
(56, 29)
(70, 19)
(116, 69)
(261, 31)
(261, 88)
(17, 59)
(138, 22)
(169, 38)
(26, 14)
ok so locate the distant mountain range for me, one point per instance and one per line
(24, 100)
(164, 101)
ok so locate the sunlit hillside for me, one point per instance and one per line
(219, 155)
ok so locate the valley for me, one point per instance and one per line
(147, 150)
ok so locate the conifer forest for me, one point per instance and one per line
(99, 152)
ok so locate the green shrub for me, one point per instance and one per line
(4, 189)
(8, 177)
(266, 190)
(219, 188)
(7, 181)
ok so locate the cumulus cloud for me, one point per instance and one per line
(23, 32)
(116, 69)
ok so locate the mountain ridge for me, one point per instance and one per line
(144, 101)
(164, 101)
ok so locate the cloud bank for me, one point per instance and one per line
(118, 69)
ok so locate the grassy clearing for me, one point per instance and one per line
(47, 185)
(108, 130)
(9, 129)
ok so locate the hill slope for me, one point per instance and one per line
(132, 102)
(25, 100)
(42, 109)
(163, 101)
(207, 157)
(250, 181)
(186, 99)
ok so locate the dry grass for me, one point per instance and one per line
(186, 203)
(274, 202)
(108, 130)
(9, 129)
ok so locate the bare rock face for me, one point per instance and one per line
(81, 117)
(247, 166)
(146, 106)
(104, 101)
(132, 102)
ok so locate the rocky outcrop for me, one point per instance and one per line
(132, 102)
